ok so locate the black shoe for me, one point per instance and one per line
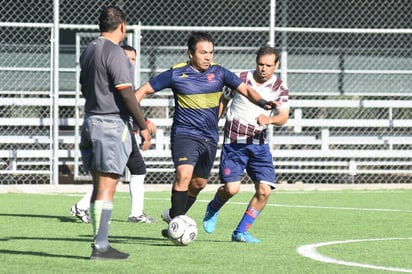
(109, 254)
(164, 233)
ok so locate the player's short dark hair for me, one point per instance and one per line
(110, 18)
(196, 37)
(267, 50)
(128, 48)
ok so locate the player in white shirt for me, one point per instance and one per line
(245, 144)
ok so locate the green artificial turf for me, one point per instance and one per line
(364, 231)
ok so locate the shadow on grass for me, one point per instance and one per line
(40, 254)
(87, 238)
(63, 219)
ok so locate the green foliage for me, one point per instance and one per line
(38, 234)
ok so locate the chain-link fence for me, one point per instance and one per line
(347, 64)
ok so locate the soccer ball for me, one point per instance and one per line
(182, 230)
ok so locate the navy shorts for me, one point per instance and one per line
(201, 154)
(106, 143)
(256, 159)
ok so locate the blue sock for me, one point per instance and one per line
(215, 204)
(247, 220)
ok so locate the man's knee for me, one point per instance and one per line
(197, 185)
(263, 191)
(231, 189)
(184, 174)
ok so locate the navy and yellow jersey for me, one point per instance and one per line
(197, 96)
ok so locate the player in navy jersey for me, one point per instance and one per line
(197, 88)
(245, 143)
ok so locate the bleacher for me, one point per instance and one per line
(313, 141)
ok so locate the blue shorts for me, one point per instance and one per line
(106, 143)
(199, 153)
(256, 159)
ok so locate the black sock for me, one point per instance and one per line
(179, 201)
(190, 201)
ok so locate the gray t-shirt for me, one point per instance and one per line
(105, 70)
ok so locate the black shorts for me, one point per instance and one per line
(136, 164)
(200, 153)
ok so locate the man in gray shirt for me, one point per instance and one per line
(106, 137)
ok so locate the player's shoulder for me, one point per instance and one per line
(215, 64)
(278, 83)
(244, 75)
(218, 68)
(180, 65)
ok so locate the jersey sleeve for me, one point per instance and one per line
(284, 96)
(119, 69)
(162, 80)
(231, 79)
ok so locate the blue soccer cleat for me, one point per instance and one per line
(210, 220)
(244, 237)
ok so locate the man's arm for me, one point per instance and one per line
(133, 107)
(143, 91)
(139, 94)
(254, 97)
(222, 106)
(136, 113)
(224, 100)
(279, 119)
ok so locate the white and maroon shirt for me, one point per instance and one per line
(241, 126)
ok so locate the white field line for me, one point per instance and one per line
(307, 206)
(278, 205)
(341, 208)
(310, 251)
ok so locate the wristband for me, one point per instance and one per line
(262, 102)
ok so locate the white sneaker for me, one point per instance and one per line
(142, 219)
(82, 214)
(165, 216)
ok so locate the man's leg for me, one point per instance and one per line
(223, 194)
(80, 209)
(180, 190)
(136, 188)
(102, 208)
(196, 185)
(255, 207)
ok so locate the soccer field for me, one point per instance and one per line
(336, 231)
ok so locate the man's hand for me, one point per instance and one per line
(264, 120)
(151, 127)
(269, 104)
(145, 135)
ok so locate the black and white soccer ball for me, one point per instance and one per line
(182, 230)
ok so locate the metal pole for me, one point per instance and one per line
(272, 44)
(137, 45)
(284, 45)
(272, 23)
(77, 111)
(55, 75)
